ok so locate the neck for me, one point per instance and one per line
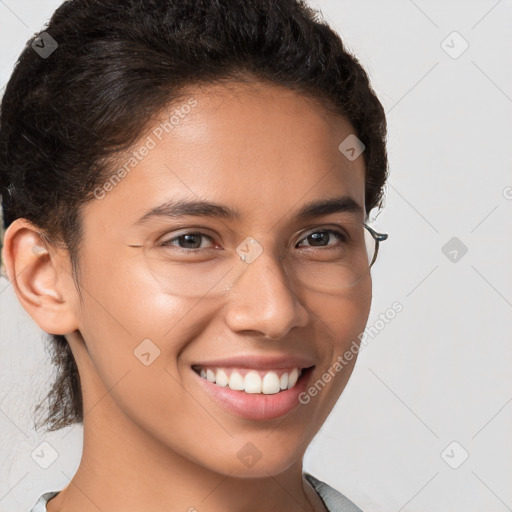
(124, 468)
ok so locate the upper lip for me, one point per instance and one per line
(258, 362)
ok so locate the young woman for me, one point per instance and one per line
(186, 186)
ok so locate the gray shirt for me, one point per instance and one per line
(333, 500)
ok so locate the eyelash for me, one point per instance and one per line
(166, 243)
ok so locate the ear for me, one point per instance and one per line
(41, 276)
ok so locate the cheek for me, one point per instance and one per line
(135, 334)
(356, 311)
(343, 318)
(125, 296)
(122, 322)
(125, 315)
(342, 321)
(128, 320)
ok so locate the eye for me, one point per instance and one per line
(194, 240)
(191, 240)
(321, 237)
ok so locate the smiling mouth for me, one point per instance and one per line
(251, 381)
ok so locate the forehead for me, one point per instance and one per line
(261, 149)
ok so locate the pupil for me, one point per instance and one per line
(315, 237)
(188, 243)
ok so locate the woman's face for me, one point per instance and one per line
(265, 152)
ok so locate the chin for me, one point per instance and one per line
(251, 456)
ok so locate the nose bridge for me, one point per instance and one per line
(263, 298)
(260, 265)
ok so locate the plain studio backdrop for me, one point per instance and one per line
(424, 423)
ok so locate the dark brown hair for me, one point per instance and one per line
(117, 64)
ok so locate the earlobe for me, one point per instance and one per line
(37, 273)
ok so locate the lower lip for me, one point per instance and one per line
(257, 406)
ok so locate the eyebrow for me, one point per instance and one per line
(200, 208)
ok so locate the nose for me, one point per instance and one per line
(264, 300)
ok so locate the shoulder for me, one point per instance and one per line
(333, 499)
(40, 505)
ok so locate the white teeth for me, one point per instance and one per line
(292, 378)
(252, 382)
(268, 383)
(221, 378)
(236, 381)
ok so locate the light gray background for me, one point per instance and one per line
(440, 371)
